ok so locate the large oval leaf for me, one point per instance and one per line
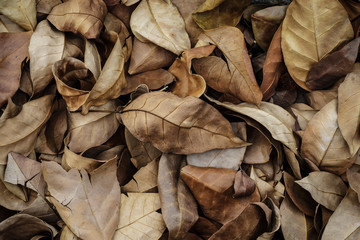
(178, 125)
(311, 31)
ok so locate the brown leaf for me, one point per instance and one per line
(6, 25)
(47, 46)
(83, 16)
(273, 67)
(24, 226)
(44, 7)
(141, 152)
(204, 227)
(349, 111)
(126, 169)
(323, 74)
(259, 151)
(353, 178)
(275, 224)
(178, 205)
(248, 225)
(20, 131)
(213, 190)
(235, 77)
(243, 185)
(138, 217)
(73, 81)
(123, 13)
(42, 209)
(189, 84)
(93, 129)
(318, 99)
(79, 200)
(352, 7)
(323, 144)
(314, 39)
(301, 198)
(146, 56)
(175, 124)
(67, 234)
(26, 172)
(303, 113)
(154, 79)
(111, 2)
(144, 180)
(21, 12)
(14, 49)
(160, 22)
(92, 58)
(212, 14)
(265, 22)
(326, 188)
(344, 223)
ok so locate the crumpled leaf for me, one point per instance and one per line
(83, 16)
(178, 206)
(90, 208)
(213, 190)
(323, 75)
(273, 67)
(326, 188)
(144, 180)
(344, 223)
(22, 12)
(323, 144)
(314, 39)
(14, 51)
(212, 14)
(26, 172)
(146, 56)
(47, 46)
(24, 226)
(160, 22)
(349, 111)
(265, 22)
(175, 124)
(73, 81)
(189, 84)
(19, 132)
(93, 129)
(141, 152)
(111, 80)
(138, 217)
(236, 77)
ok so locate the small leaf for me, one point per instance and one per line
(243, 185)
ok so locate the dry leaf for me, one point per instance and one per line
(44, 7)
(189, 84)
(83, 16)
(141, 152)
(24, 226)
(138, 217)
(259, 151)
(146, 56)
(236, 77)
(144, 180)
(172, 115)
(344, 223)
(353, 178)
(22, 12)
(323, 144)
(67, 234)
(73, 81)
(314, 39)
(273, 67)
(213, 190)
(243, 185)
(26, 172)
(19, 132)
(6, 25)
(349, 111)
(92, 58)
(326, 188)
(42, 209)
(46, 47)
(303, 113)
(160, 22)
(14, 52)
(212, 14)
(123, 12)
(178, 206)
(275, 224)
(204, 227)
(90, 208)
(318, 99)
(352, 7)
(265, 22)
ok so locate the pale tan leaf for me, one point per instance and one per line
(326, 188)
(67, 234)
(293, 221)
(160, 22)
(46, 47)
(22, 12)
(353, 178)
(92, 58)
(259, 151)
(173, 124)
(308, 34)
(90, 208)
(6, 25)
(318, 99)
(303, 113)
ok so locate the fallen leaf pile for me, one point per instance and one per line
(173, 119)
